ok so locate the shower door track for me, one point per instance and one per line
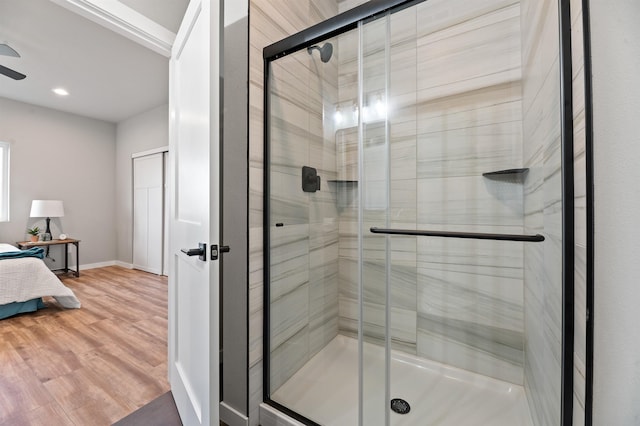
(469, 235)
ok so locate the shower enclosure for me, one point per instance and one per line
(418, 216)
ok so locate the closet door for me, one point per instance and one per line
(148, 183)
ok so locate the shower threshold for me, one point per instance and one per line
(325, 390)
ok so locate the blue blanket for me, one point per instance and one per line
(32, 252)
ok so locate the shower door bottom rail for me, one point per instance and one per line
(470, 235)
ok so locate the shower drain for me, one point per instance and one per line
(400, 406)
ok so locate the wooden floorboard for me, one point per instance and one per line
(88, 366)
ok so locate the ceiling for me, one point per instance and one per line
(109, 77)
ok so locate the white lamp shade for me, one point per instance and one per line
(47, 208)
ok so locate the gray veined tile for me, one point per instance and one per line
(288, 358)
(469, 152)
(288, 315)
(437, 15)
(489, 106)
(403, 72)
(482, 106)
(404, 27)
(403, 208)
(481, 52)
(540, 46)
(453, 296)
(345, 5)
(325, 9)
(323, 235)
(322, 333)
(323, 308)
(489, 351)
(475, 257)
(347, 154)
(348, 279)
(403, 287)
(323, 214)
(288, 203)
(289, 258)
(287, 277)
(403, 323)
(467, 200)
(403, 160)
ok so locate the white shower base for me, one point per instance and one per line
(326, 390)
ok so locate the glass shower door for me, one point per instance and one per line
(412, 166)
(302, 244)
(441, 143)
(373, 147)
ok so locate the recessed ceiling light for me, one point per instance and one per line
(60, 91)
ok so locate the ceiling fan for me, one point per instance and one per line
(6, 50)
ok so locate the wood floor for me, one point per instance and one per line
(89, 366)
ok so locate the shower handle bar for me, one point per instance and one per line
(470, 235)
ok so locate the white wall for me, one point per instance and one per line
(616, 86)
(55, 155)
(140, 133)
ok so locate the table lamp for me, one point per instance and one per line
(48, 209)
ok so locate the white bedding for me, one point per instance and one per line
(28, 278)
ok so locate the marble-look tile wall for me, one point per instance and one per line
(579, 141)
(470, 307)
(304, 259)
(543, 209)
(454, 105)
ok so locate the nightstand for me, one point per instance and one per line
(23, 245)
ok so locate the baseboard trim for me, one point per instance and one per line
(124, 264)
(95, 265)
(103, 265)
(149, 270)
(232, 417)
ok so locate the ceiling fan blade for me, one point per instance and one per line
(6, 50)
(11, 73)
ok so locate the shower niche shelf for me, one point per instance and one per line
(511, 175)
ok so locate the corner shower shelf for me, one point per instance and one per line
(517, 175)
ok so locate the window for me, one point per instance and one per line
(4, 181)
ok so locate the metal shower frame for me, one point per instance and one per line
(375, 9)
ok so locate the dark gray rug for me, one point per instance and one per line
(161, 411)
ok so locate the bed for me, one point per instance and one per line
(24, 281)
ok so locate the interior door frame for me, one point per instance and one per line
(234, 230)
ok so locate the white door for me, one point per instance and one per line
(148, 212)
(195, 182)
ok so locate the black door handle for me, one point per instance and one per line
(200, 251)
(192, 252)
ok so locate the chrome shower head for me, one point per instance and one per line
(325, 51)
